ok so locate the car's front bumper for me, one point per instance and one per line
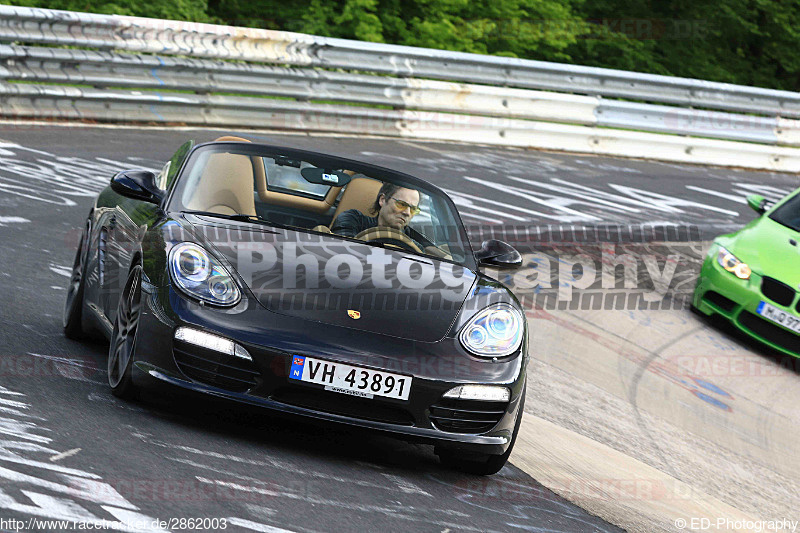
(272, 339)
(722, 293)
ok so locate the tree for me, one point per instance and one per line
(750, 42)
(194, 10)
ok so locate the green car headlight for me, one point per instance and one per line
(732, 264)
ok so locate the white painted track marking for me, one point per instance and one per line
(64, 455)
(255, 526)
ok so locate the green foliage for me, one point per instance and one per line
(750, 42)
(511, 27)
(194, 10)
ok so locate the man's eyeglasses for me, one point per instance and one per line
(400, 205)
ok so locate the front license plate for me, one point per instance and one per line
(352, 380)
(783, 318)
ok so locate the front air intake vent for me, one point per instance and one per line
(726, 304)
(772, 332)
(466, 416)
(215, 368)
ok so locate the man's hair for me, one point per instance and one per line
(387, 189)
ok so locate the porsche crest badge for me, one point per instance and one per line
(352, 313)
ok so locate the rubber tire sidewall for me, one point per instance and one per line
(73, 317)
(125, 389)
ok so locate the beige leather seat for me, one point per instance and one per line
(359, 194)
(227, 184)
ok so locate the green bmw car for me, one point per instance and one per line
(752, 276)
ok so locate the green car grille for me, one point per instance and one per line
(777, 291)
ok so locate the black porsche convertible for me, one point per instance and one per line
(308, 284)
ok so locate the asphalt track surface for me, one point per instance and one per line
(68, 449)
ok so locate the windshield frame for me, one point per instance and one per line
(173, 203)
(793, 199)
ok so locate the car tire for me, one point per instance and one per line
(481, 465)
(122, 349)
(73, 307)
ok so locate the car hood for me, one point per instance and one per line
(764, 245)
(335, 281)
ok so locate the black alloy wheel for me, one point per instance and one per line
(123, 338)
(73, 308)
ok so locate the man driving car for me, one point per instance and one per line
(394, 207)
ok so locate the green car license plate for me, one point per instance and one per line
(777, 316)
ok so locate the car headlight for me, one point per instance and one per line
(201, 276)
(494, 332)
(732, 264)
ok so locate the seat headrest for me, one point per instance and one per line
(359, 194)
(231, 138)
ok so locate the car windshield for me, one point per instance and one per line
(788, 214)
(319, 193)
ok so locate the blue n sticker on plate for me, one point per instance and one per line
(760, 307)
(296, 372)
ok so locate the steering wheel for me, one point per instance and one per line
(388, 235)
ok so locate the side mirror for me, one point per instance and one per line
(137, 184)
(757, 203)
(498, 254)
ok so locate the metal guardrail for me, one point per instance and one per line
(225, 42)
(296, 81)
(107, 69)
